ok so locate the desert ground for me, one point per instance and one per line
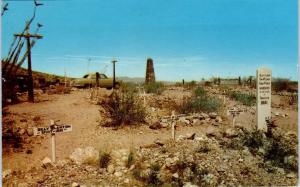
(143, 154)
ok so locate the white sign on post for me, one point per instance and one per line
(47, 130)
(234, 112)
(52, 130)
(263, 97)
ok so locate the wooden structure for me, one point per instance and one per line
(12, 63)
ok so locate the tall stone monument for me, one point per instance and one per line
(150, 76)
(263, 97)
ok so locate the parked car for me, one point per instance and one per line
(89, 80)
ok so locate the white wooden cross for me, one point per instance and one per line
(53, 128)
(234, 113)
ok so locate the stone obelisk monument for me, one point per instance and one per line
(150, 76)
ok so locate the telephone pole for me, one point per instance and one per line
(27, 36)
(114, 72)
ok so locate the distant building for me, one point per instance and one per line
(229, 81)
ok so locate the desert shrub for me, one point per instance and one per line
(280, 85)
(104, 159)
(178, 84)
(207, 83)
(128, 86)
(224, 89)
(124, 108)
(148, 176)
(276, 148)
(191, 84)
(293, 99)
(254, 139)
(199, 102)
(200, 92)
(290, 99)
(155, 87)
(280, 148)
(203, 148)
(153, 175)
(198, 175)
(130, 159)
(137, 171)
(245, 99)
(180, 166)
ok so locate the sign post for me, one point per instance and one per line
(173, 130)
(52, 129)
(234, 112)
(53, 150)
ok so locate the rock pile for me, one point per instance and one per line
(187, 120)
(191, 160)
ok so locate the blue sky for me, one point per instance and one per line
(190, 39)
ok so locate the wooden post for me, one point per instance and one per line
(27, 35)
(30, 79)
(233, 120)
(53, 148)
(52, 129)
(97, 79)
(114, 72)
(173, 130)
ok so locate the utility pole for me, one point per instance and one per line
(27, 36)
(114, 72)
(97, 79)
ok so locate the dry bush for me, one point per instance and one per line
(153, 178)
(124, 108)
(104, 159)
(290, 99)
(155, 87)
(130, 159)
(9, 93)
(150, 176)
(199, 102)
(280, 85)
(190, 85)
(128, 86)
(273, 146)
(245, 99)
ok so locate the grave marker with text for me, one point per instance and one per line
(263, 97)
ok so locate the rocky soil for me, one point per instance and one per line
(143, 155)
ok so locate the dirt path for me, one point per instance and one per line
(69, 109)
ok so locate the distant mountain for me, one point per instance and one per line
(138, 80)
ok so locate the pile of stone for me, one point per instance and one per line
(191, 160)
(288, 94)
(187, 120)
